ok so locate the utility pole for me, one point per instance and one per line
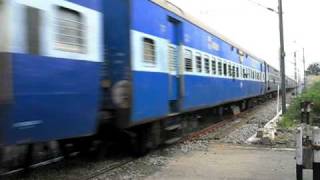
(304, 70)
(282, 52)
(282, 57)
(296, 72)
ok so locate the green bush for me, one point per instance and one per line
(292, 117)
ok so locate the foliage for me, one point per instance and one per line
(314, 69)
(292, 117)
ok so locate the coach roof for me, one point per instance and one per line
(178, 11)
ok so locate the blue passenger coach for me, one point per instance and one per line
(164, 62)
(50, 64)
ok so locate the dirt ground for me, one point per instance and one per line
(230, 162)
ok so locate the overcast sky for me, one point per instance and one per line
(257, 29)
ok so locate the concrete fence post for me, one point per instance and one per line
(299, 155)
(316, 152)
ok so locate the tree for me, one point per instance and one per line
(314, 69)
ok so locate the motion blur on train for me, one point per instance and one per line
(74, 71)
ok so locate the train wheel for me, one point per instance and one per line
(1, 161)
(28, 159)
(141, 141)
(65, 148)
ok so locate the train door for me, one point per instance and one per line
(174, 40)
(267, 78)
(260, 78)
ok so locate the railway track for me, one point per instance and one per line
(112, 167)
(117, 165)
(211, 128)
(37, 165)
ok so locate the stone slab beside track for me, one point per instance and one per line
(229, 162)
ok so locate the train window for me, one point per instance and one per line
(213, 66)
(70, 31)
(229, 70)
(188, 61)
(225, 72)
(207, 64)
(149, 54)
(237, 72)
(233, 71)
(244, 73)
(220, 68)
(33, 30)
(199, 62)
(259, 76)
(172, 57)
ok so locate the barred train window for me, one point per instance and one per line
(233, 71)
(172, 58)
(188, 61)
(229, 70)
(213, 66)
(199, 63)
(247, 73)
(70, 34)
(237, 72)
(207, 65)
(244, 73)
(225, 72)
(149, 54)
(220, 68)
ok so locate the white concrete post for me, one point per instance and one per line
(278, 99)
(299, 154)
(316, 152)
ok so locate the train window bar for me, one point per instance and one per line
(149, 53)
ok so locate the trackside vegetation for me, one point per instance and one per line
(293, 116)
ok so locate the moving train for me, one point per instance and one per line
(70, 67)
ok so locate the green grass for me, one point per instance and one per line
(292, 117)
